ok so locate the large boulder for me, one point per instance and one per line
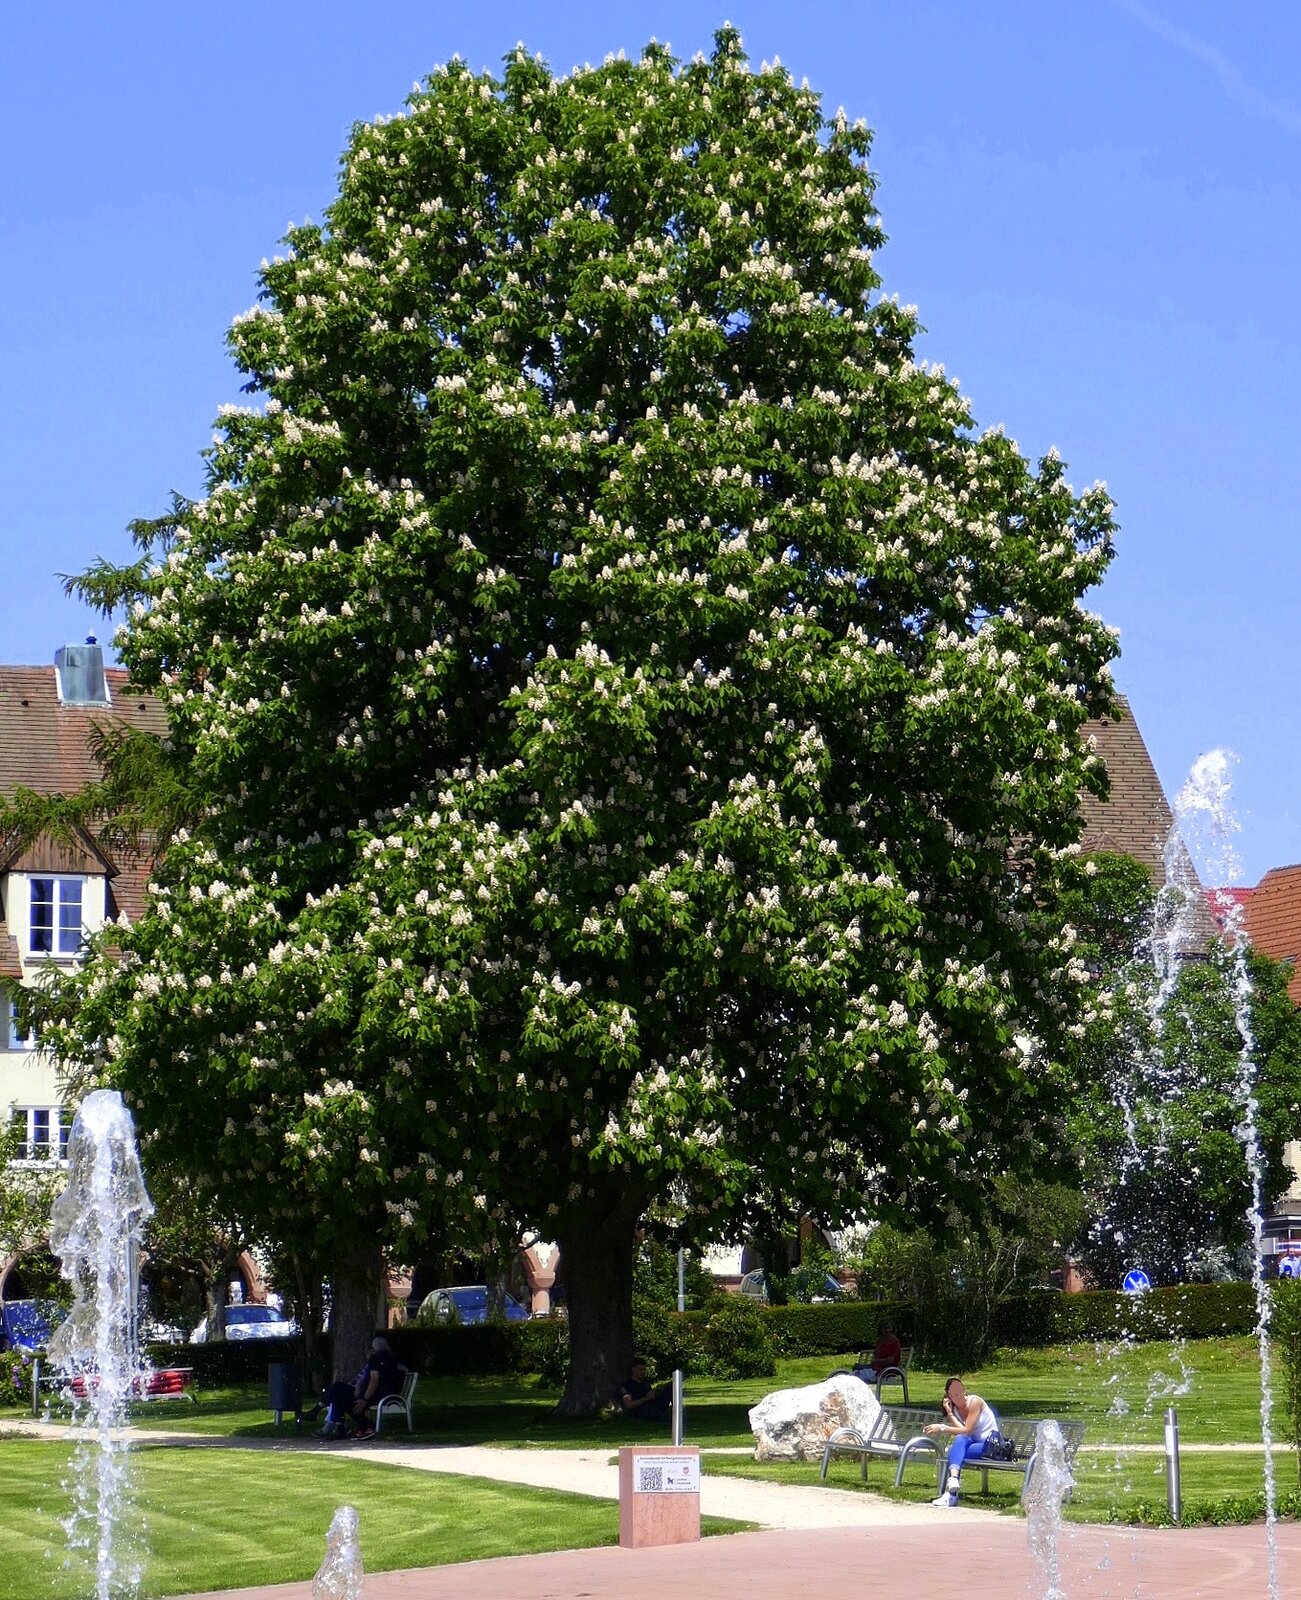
(794, 1424)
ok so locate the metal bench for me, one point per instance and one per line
(896, 1436)
(896, 1374)
(399, 1403)
(1022, 1431)
(167, 1383)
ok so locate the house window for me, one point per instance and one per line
(13, 1037)
(56, 916)
(42, 1132)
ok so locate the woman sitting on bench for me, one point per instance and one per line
(971, 1422)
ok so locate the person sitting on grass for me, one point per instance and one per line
(971, 1422)
(636, 1398)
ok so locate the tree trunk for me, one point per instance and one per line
(356, 1311)
(309, 1303)
(596, 1247)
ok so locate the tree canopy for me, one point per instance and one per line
(630, 714)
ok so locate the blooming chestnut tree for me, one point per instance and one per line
(633, 712)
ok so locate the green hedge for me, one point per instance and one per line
(667, 1339)
(228, 1361)
(482, 1349)
(836, 1326)
(1190, 1311)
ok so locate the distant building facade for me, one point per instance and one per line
(55, 893)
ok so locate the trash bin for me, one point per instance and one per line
(285, 1390)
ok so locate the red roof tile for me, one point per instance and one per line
(1273, 920)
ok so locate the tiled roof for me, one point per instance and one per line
(1220, 902)
(1136, 820)
(1273, 920)
(45, 746)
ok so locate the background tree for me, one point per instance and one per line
(632, 714)
(961, 1279)
(1159, 1104)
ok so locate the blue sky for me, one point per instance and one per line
(1094, 206)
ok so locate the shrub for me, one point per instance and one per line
(667, 1339)
(738, 1343)
(15, 1379)
(1286, 1329)
(544, 1348)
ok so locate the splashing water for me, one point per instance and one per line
(1050, 1484)
(340, 1576)
(1208, 823)
(95, 1227)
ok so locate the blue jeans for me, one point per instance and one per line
(963, 1449)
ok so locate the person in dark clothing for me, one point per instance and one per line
(635, 1396)
(350, 1403)
(382, 1377)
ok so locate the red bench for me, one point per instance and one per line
(168, 1383)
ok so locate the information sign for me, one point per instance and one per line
(667, 1474)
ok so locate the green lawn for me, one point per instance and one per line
(1120, 1396)
(217, 1519)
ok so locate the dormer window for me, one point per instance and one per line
(56, 921)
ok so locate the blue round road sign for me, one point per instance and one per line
(1136, 1281)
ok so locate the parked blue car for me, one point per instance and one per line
(28, 1324)
(467, 1304)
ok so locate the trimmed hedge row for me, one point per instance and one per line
(1193, 1311)
(1190, 1311)
(228, 1361)
(484, 1348)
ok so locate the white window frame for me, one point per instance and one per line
(47, 1120)
(13, 1040)
(61, 936)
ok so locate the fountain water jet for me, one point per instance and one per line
(340, 1574)
(95, 1228)
(1204, 815)
(1049, 1486)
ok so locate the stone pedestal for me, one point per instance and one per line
(659, 1495)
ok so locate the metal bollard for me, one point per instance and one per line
(677, 1376)
(1173, 1497)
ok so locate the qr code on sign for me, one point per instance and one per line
(652, 1480)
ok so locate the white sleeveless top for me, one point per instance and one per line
(986, 1422)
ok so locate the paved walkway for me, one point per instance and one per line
(960, 1559)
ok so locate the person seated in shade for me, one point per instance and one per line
(635, 1396)
(970, 1422)
(348, 1404)
(382, 1377)
(888, 1352)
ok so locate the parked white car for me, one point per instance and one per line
(252, 1322)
